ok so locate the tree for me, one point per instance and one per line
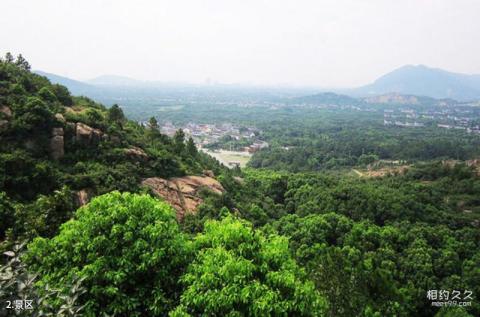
(94, 117)
(33, 115)
(115, 115)
(240, 272)
(191, 148)
(47, 95)
(63, 95)
(154, 132)
(22, 63)
(128, 249)
(6, 214)
(9, 58)
(366, 159)
(153, 123)
(179, 141)
(44, 216)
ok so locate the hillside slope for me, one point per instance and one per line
(62, 150)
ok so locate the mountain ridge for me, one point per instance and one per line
(417, 80)
(422, 80)
(75, 86)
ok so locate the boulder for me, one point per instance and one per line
(7, 112)
(208, 173)
(57, 150)
(60, 117)
(71, 126)
(57, 132)
(183, 192)
(136, 153)
(82, 197)
(86, 135)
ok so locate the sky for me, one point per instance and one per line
(321, 43)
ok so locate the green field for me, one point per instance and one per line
(225, 157)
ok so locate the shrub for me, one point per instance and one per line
(240, 272)
(126, 247)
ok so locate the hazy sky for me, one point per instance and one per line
(322, 43)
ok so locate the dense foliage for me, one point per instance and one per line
(127, 248)
(336, 139)
(284, 241)
(37, 191)
(383, 269)
(240, 272)
(373, 246)
(130, 254)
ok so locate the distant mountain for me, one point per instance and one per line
(326, 98)
(423, 81)
(75, 86)
(114, 80)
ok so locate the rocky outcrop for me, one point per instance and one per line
(86, 135)
(208, 173)
(82, 197)
(57, 144)
(60, 117)
(183, 192)
(136, 153)
(6, 111)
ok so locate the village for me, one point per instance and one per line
(447, 118)
(210, 138)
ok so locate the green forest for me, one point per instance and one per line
(342, 139)
(294, 234)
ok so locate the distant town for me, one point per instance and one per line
(447, 118)
(231, 144)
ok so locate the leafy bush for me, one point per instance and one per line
(127, 247)
(16, 283)
(240, 272)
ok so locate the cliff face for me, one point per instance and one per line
(57, 150)
(5, 115)
(183, 192)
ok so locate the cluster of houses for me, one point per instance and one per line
(447, 118)
(257, 145)
(204, 134)
(405, 118)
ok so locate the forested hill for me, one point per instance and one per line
(54, 146)
(267, 243)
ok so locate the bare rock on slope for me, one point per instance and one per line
(6, 111)
(87, 135)
(82, 197)
(60, 118)
(183, 192)
(136, 153)
(57, 150)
